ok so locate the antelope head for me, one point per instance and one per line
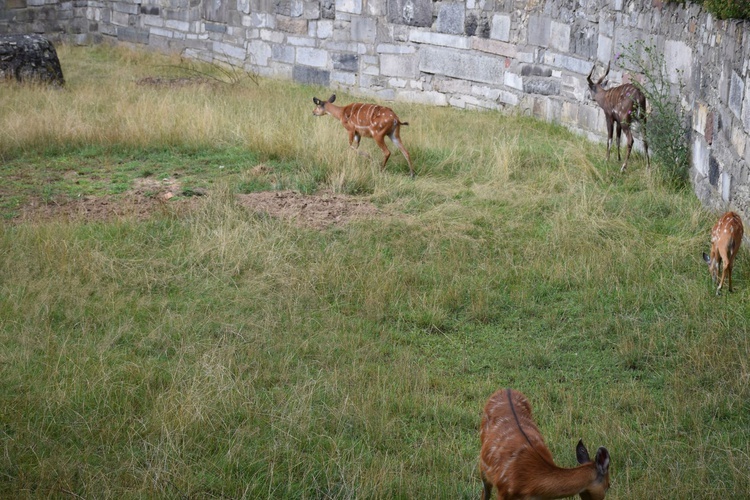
(597, 87)
(320, 106)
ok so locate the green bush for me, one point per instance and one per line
(667, 128)
(724, 9)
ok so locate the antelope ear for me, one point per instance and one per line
(316, 101)
(706, 258)
(582, 454)
(602, 461)
(332, 98)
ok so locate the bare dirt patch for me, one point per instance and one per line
(149, 198)
(315, 211)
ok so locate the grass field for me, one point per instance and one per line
(220, 352)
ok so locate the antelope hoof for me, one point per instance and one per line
(622, 169)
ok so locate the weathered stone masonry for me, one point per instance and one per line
(529, 55)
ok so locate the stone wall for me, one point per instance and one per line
(528, 55)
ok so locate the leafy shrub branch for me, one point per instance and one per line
(667, 128)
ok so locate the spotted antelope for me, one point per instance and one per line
(622, 106)
(366, 120)
(726, 238)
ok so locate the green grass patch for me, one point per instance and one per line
(222, 353)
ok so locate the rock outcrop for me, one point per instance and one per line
(27, 58)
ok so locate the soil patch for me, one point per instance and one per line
(315, 211)
(150, 197)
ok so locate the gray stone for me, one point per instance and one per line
(311, 76)
(500, 27)
(539, 30)
(736, 86)
(132, 35)
(29, 58)
(459, 64)
(541, 86)
(451, 18)
(410, 12)
(364, 29)
(345, 62)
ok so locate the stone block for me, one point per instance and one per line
(726, 186)
(177, 25)
(345, 62)
(700, 156)
(440, 39)
(272, 36)
(215, 27)
(300, 41)
(604, 49)
(289, 25)
(133, 35)
(678, 57)
(410, 12)
(584, 41)
(541, 86)
(739, 140)
(376, 8)
(574, 87)
(559, 36)
(344, 78)
(243, 6)
(349, 6)
(539, 31)
(451, 17)
(580, 66)
(311, 76)
(364, 29)
(388, 48)
(404, 66)
(312, 57)
(281, 53)
(233, 51)
(431, 98)
(513, 80)
(322, 29)
(736, 90)
(509, 98)
(495, 47)
(459, 64)
(120, 19)
(500, 27)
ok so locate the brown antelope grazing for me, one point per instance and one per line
(726, 238)
(515, 459)
(622, 105)
(368, 120)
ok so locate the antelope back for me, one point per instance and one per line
(512, 446)
(726, 239)
(370, 119)
(515, 459)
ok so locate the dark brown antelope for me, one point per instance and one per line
(366, 120)
(726, 238)
(515, 460)
(622, 105)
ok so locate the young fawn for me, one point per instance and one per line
(726, 238)
(366, 120)
(515, 460)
